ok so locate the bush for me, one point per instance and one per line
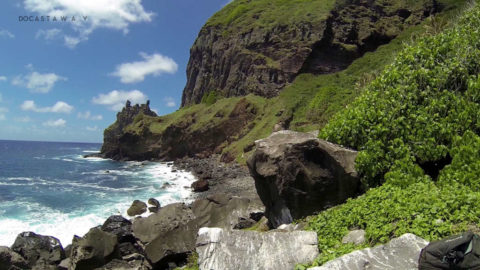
(418, 105)
(211, 97)
(421, 208)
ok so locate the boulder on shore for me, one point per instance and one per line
(137, 208)
(400, 253)
(220, 249)
(119, 226)
(92, 250)
(297, 174)
(200, 185)
(34, 247)
(9, 259)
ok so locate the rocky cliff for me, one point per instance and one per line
(243, 49)
(248, 52)
(116, 141)
(138, 134)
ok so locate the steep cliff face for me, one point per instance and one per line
(235, 57)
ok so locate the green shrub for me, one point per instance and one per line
(426, 97)
(465, 166)
(421, 208)
(211, 97)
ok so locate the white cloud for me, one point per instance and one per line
(49, 34)
(3, 110)
(6, 33)
(88, 116)
(59, 107)
(154, 64)
(95, 128)
(38, 82)
(116, 99)
(3, 78)
(55, 123)
(110, 14)
(23, 119)
(170, 102)
(72, 42)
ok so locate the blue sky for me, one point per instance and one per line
(65, 80)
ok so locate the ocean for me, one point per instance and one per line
(51, 189)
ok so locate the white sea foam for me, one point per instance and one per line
(91, 151)
(95, 159)
(148, 179)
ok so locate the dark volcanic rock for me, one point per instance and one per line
(297, 174)
(120, 145)
(166, 219)
(9, 259)
(200, 185)
(119, 226)
(34, 247)
(156, 205)
(224, 211)
(263, 60)
(137, 208)
(154, 202)
(92, 250)
(170, 234)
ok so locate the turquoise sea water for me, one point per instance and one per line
(50, 189)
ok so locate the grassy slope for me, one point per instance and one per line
(242, 15)
(422, 107)
(310, 99)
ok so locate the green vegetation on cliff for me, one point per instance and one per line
(416, 126)
(243, 15)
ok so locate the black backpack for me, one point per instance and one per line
(460, 252)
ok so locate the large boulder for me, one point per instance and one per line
(9, 259)
(297, 174)
(93, 250)
(224, 211)
(119, 226)
(137, 208)
(400, 253)
(170, 234)
(200, 185)
(220, 249)
(34, 247)
(165, 220)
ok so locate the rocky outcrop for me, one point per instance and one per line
(131, 136)
(263, 60)
(115, 135)
(297, 174)
(200, 185)
(170, 234)
(119, 226)
(93, 250)
(10, 260)
(400, 253)
(137, 208)
(220, 249)
(35, 248)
